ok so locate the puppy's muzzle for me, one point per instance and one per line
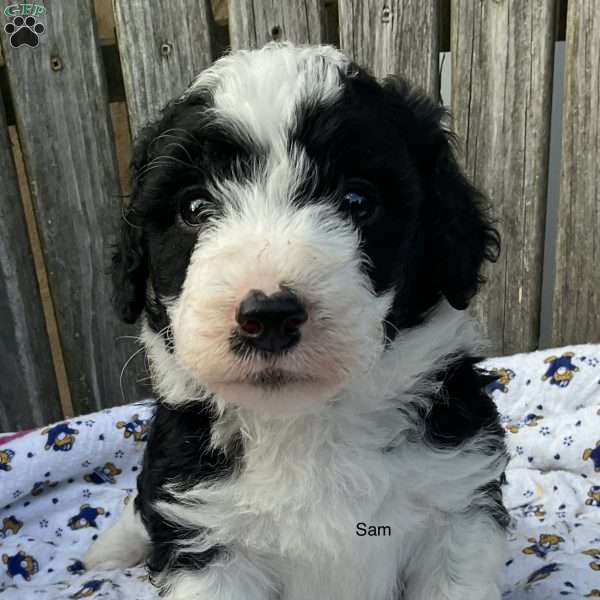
(272, 323)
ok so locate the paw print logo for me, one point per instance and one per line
(24, 32)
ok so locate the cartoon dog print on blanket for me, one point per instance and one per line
(503, 378)
(594, 455)
(531, 420)
(5, 457)
(594, 496)
(86, 517)
(21, 564)
(560, 370)
(105, 474)
(10, 525)
(543, 573)
(136, 427)
(39, 487)
(537, 510)
(541, 548)
(61, 437)
(76, 568)
(594, 553)
(89, 588)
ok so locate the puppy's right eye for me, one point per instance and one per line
(192, 211)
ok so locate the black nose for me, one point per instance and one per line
(271, 323)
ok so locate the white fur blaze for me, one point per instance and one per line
(121, 546)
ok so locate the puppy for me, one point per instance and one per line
(300, 247)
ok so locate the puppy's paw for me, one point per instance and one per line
(114, 551)
(123, 545)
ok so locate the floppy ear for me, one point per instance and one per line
(460, 233)
(130, 261)
(464, 235)
(129, 270)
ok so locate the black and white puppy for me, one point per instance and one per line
(300, 247)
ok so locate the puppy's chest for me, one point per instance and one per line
(322, 487)
(333, 522)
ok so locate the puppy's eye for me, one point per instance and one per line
(362, 205)
(192, 211)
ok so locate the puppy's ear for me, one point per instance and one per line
(463, 233)
(130, 260)
(129, 270)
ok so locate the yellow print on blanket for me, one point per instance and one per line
(560, 369)
(10, 525)
(546, 544)
(594, 553)
(5, 457)
(593, 454)
(503, 378)
(594, 496)
(531, 420)
(136, 428)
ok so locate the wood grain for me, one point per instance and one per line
(502, 58)
(253, 23)
(162, 51)
(398, 37)
(58, 359)
(28, 392)
(576, 306)
(64, 123)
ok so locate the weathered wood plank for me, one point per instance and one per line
(398, 37)
(58, 360)
(28, 392)
(253, 23)
(576, 307)
(64, 122)
(502, 57)
(161, 51)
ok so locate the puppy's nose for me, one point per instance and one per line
(271, 323)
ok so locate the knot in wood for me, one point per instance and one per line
(386, 14)
(166, 48)
(56, 63)
(276, 33)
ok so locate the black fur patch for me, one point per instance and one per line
(431, 234)
(179, 451)
(462, 410)
(429, 238)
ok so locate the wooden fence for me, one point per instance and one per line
(70, 105)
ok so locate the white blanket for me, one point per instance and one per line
(61, 485)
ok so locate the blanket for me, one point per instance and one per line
(63, 484)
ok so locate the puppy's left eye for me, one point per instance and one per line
(361, 203)
(192, 211)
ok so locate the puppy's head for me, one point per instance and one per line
(290, 214)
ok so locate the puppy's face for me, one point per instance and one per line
(289, 216)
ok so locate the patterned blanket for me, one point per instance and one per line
(61, 485)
